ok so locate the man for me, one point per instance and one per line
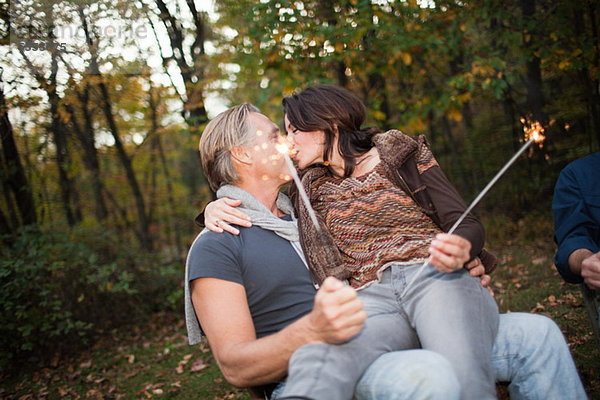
(252, 293)
(576, 208)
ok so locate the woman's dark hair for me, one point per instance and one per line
(322, 108)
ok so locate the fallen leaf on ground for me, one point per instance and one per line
(198, 365)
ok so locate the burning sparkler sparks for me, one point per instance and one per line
(534, 133)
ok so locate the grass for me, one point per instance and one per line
(147, 362)
(154, 360)
(527, 280)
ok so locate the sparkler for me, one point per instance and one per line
(533, 134)
(283, 148)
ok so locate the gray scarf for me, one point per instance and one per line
(261, 216)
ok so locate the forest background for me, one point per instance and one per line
(102, 106)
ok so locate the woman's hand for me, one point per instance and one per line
(220, 213)
(449, 252)
(477, 269)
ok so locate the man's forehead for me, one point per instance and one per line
(262, 122)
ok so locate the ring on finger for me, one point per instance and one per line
(216, 222)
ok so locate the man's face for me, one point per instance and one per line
(268, 162)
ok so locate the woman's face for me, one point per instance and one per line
(308, 146)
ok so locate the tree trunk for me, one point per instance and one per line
(13, 223)
(191, 70)
(85, 135)
(593, 84)
(14, 175)
(338, 67)
(143, 226)
(154, 103)
(69, 198)
(67, 189)
(533, 76)
(464, 184)
(192, 73)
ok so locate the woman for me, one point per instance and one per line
(382, 199)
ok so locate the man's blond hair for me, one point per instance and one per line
(226, 131)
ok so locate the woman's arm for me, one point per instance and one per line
(218, 214)
(450, 206)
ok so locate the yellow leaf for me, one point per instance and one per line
(455, 114)
(417, 125)
(378, 115)
(463, 98)
(564, 64)
(406, 58)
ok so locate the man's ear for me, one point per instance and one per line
(241, 154)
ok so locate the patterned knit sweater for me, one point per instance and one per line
(373, 222)
(427, 185)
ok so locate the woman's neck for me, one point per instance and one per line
(366, 162)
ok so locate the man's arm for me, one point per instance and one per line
(244, 360)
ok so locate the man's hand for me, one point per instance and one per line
(449, 252)
(477, 269)
(220, 213)
(590, 270)
(337, 314)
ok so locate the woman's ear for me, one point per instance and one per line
(241, 154)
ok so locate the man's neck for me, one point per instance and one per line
(265, 192)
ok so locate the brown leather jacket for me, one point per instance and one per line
(431, 191)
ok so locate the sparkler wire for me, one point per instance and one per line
(301, 190)
(473, 204)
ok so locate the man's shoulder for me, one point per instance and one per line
(226, 242)
(212, 241)
(584, 170)
(583, 163)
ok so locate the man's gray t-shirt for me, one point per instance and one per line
(278, 285)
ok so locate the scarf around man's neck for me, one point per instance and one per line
(261, 215)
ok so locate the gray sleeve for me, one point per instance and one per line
(209, 257)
